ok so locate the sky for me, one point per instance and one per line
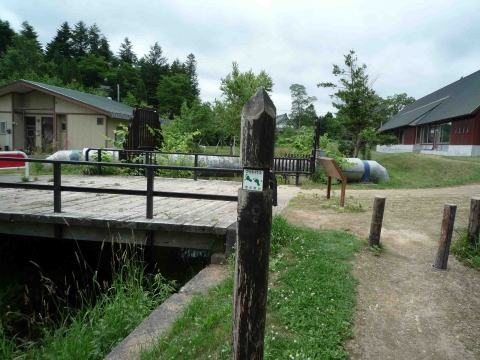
(413, 47)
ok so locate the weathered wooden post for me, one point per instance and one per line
(474, 222)
(254, 221)
(377, 220)
(445, 237)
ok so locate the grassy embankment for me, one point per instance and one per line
(310, 303)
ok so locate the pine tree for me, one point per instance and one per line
(29, 32)
(191, 70)
(104, 49)
(61, 46)
(94, 36)
(126, 53)
(177, 67)
(153, 67)
(80, 40)
(6, 36)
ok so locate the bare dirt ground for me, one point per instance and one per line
(405, 308)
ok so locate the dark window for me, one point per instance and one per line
(445, 132)
(99, 121)
(3, 127)
(64, 127)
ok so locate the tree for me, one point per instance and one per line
(300, 103)
(29, 32)
(80, 41)
(359, 107)
(93, 69)
(172, 92)
(126, 53)
(21, 59)
(61, 46)
(196, 117)
(236, 89)
(152, 67)
(177, 67)
(190, 67)
(94, 36)
(395, 103)
(6, 36)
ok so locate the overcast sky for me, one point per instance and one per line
(413, 46)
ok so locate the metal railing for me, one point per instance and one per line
(150, 192)
(290, 165)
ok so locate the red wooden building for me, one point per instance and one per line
(446, 122)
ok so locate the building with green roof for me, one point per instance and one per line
(34, 115)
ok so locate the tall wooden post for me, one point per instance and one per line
(377, 220)
(254, 227)
(474, 222)
(445, 237)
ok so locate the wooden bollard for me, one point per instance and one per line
(377, 220)
(445, 236)
(254, 223)
(473, 234)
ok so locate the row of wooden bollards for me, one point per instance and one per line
(448, 222)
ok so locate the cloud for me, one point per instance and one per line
(413, 47)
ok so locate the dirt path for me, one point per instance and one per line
(405, 308)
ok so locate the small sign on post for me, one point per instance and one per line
(253, 180)
(254, 225)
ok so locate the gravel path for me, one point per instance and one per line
(405, 308)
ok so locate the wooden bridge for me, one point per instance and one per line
(176, 222)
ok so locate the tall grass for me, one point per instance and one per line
(108, 312)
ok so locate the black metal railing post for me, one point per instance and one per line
(99, 166)
(150, 179)
(297, 171)
(195, 164)
(57, 187)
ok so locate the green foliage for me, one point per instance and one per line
(310, 303)
(237, 88)
(300, 142)
(106, 170)
(178, 142)
(464, 251)
(360, 110)
(172, 92)
(195, 117)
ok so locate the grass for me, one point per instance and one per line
(310, 303)
(413, 171)
(464, 251)
(104, 318)
(225, 150)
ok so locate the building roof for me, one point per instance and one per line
(457, 99)
(282, 120)
(101, 104)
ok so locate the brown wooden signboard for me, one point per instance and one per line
(333, 170)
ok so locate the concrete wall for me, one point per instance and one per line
(446, 150)
(83, 131)
(395, 148)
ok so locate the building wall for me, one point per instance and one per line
(19, 131)
(84, 132)
(64, 106)
(6, 139)
(38, 100)
(112, 125)
(476, 132)
(6, 103)
(463, 132)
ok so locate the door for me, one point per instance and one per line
(47, 134)
(30, 133)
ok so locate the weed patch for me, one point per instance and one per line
(464, 251)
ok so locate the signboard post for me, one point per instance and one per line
(254, 228)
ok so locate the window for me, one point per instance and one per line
(64, 127)
(445, 132)
(467, 129)
(99, 121)
(418, 137)
(3, 127)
